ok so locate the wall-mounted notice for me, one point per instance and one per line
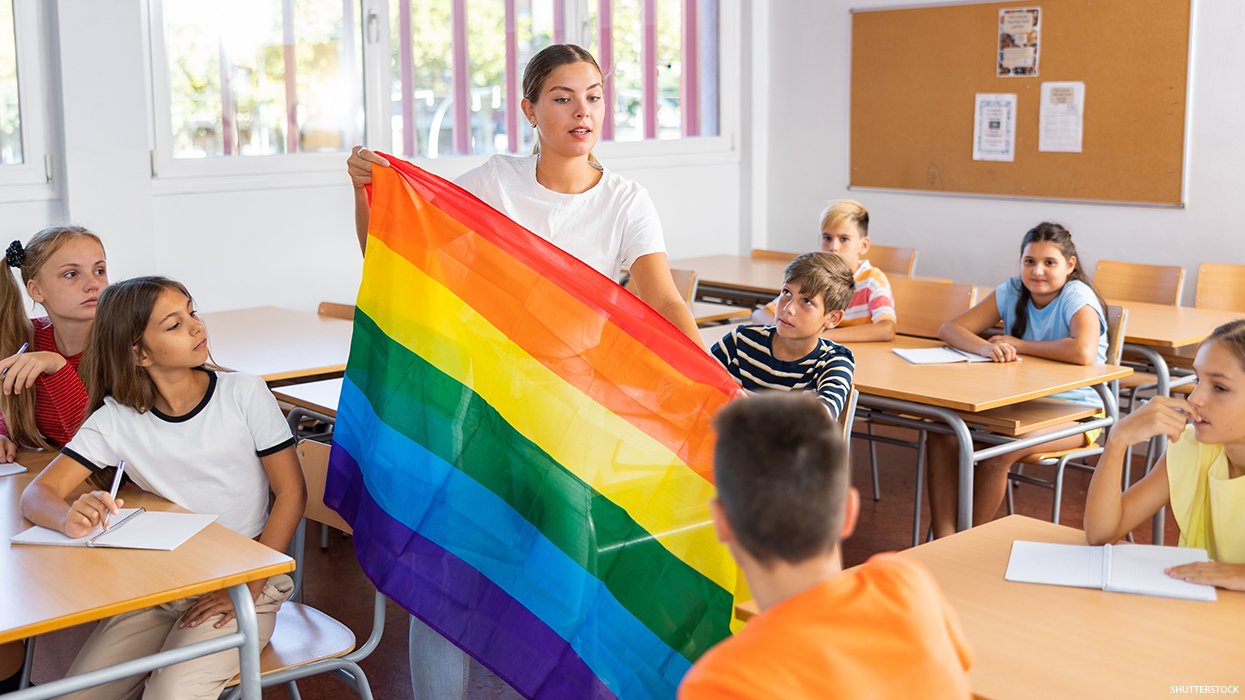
(994, 127)
(1062, 117)
(1020, 31)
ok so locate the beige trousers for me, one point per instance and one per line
(143, 632)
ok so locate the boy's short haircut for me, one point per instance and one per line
(782, 476)
(825, 275)
(843, 211)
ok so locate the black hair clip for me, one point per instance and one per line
(15, 254)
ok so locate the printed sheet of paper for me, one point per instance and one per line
(1020, 31)
(1062, 118)
(994, 127)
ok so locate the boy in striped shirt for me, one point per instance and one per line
(793, 354)
(870, 315)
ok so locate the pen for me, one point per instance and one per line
(116, 484)
(20, 350)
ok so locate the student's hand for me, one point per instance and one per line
(216, 603)
(1213, 573)
(25, 368)
(1161, 415)
(359, 165)
(8, 449)
(999, 350)
(88, 511)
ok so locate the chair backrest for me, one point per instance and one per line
(848, 415)
(1117, 327)
(314, 458)
(684, 280)
(774, 255)
(892, 260)
(1220, 287)
(332, 310)
(922, 307)
(1152, 284)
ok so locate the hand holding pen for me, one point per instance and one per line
(20, 370)
(93, 509)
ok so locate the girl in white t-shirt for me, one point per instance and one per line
(1049, 310)
(209, 441)
(560, 192)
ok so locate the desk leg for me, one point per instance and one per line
(248, 653)
(1163, 375)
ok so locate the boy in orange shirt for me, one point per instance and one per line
(882, 629)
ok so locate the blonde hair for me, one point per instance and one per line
(1232, 336)
(825, 275)
(543, 64)
(15, 326)
(844, 211)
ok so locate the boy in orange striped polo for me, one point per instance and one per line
(870, 316)
(881, 629)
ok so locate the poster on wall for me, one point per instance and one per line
(1062, 117)
(1020, 32)
(994, 127)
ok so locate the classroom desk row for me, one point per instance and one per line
(45, 588)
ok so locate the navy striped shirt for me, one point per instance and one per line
(747, 352)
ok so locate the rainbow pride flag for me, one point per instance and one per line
(524, 452)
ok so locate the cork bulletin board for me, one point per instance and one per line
(916, 72)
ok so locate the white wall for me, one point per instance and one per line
(289, 242)
(975, 240)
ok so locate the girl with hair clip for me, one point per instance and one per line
(63, 268)
(154, 401)
(561, 192)
(1202, 474)
(1049, 310)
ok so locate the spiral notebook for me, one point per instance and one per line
(131, 528)
(938, 356)
(1123, 568)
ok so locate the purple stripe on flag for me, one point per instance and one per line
(455, 599)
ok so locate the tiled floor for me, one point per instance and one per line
(335, 584)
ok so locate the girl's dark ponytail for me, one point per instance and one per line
(1047, 232)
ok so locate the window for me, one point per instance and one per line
(256, 78)
(265, 86)
(24, 171)
(458, 91)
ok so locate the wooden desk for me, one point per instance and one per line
(1034, 641)
(739, 277)
(320, 396)
(51, 588)
(279, 344)
(706, 312)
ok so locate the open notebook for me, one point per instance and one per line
(131, 528)
(938, 356)
(1124, 568)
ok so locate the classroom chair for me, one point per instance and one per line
(893, 260)
(773, 255)
(334, 310)
(684, 280)
(921, 307)
(1220, 287)
(307, 642)
(1152, 284)
(1117, 325)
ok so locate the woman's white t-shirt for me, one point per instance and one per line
(608, 227)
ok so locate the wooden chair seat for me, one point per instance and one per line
(303, 635)
(1051, 456)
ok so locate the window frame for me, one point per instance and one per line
(31, 180)
(219, 174)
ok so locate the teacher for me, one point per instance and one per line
(563, 194)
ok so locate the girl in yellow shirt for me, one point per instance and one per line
(1202, 474)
